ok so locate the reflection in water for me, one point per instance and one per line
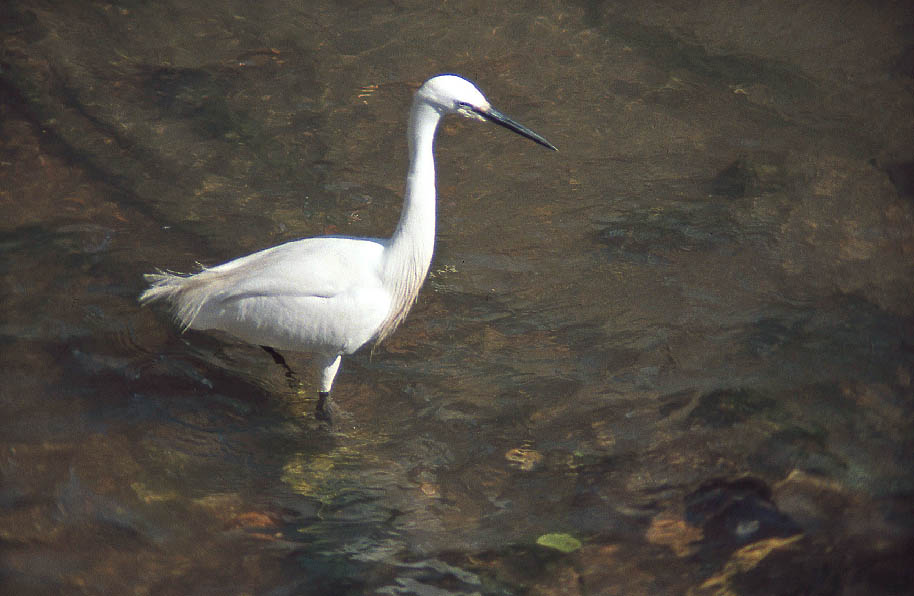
(675, 359)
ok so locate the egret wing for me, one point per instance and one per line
(321, 267)
(320, 294)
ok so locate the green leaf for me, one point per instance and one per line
(565, 543)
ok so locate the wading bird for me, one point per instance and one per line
(333, 294)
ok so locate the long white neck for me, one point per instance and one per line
(409, 253)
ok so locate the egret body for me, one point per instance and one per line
(333, 294)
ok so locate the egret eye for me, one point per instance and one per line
(468, 110)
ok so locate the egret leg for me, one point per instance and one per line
(291, 378)
(278, 359)
(323, 411)
(328, 373)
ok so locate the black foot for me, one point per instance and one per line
(323, 411)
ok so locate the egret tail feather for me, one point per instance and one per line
(185, 294)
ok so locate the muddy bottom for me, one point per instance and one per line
(675, 357)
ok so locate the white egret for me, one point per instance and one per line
(333, 294)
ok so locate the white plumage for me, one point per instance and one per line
(331, 295)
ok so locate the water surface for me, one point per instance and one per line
(675, 357)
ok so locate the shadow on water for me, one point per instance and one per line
(675, 357)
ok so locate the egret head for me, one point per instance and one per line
(451, 94)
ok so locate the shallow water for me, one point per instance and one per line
(675, 357)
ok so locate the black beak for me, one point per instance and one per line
(493, 115)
